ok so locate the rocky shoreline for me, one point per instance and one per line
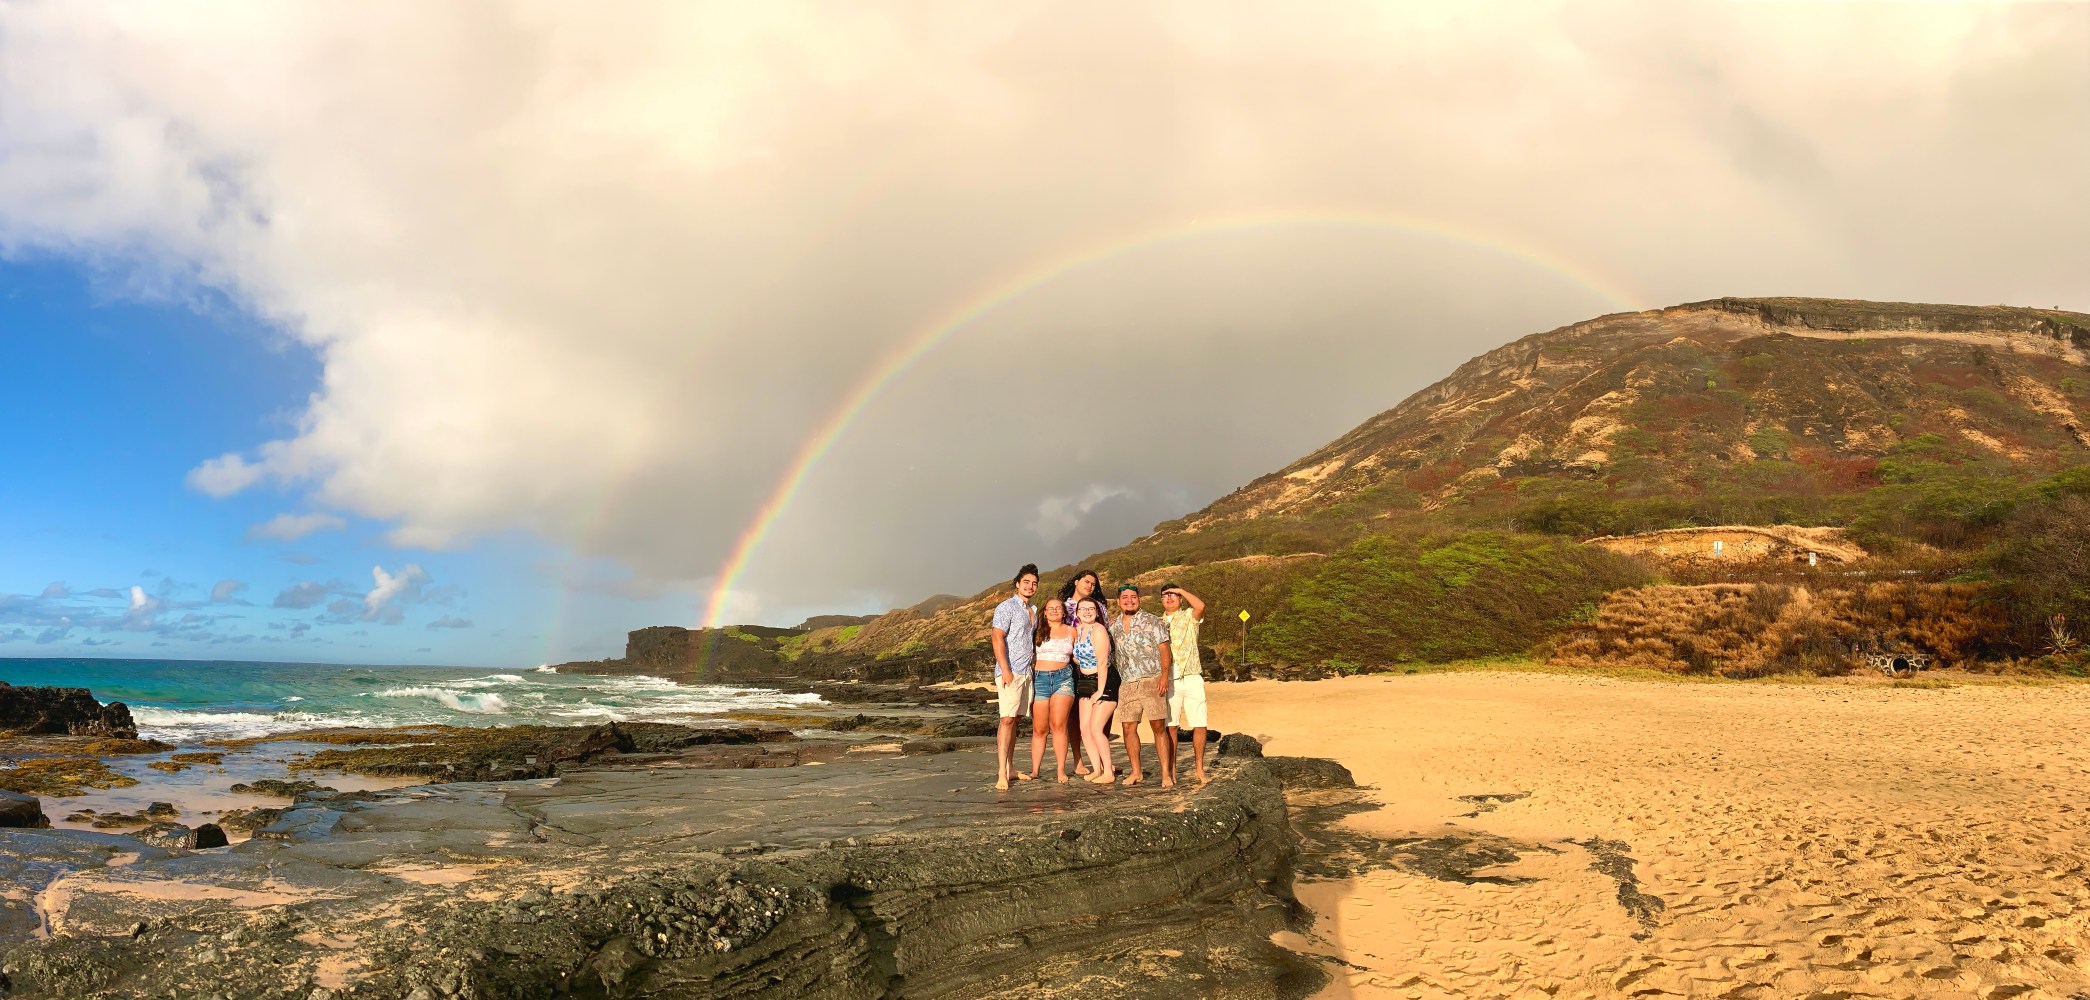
(866, 858)
(50, 711)
(864, 877)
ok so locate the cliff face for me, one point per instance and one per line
(47, 711)
(756, 653)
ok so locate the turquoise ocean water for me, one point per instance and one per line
(187, 700)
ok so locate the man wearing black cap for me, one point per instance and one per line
(1139, 647)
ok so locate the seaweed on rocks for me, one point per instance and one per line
(1300, 773)
(459, 753)
(177, 763)
(914, 725)
(250, 820)
(278, 787)
(59, 777)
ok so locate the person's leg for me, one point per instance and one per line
(1005, 747)
(1093, 742)
(1130, 729)
(1040, 711)
(1013, 700)
(1062, 705)
(1106, 767)
(1077, 735)
(1165, 751)
(1084, 713)
(1175, 709)
(1193, 719)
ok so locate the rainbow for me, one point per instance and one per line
(823, 439)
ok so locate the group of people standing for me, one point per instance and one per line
(1073, 668)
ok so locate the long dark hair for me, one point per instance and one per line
(1067, 594)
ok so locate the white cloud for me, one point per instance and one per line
(224, 475)
(56, 589)
(291, 527)
(596, 274)
(143, 613)
(307, 593)
(1059, 515)
(450, 621)
(384, 602)
(225, 590)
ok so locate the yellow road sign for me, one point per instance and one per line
(1244, 616)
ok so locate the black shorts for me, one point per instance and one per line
(1084, 684)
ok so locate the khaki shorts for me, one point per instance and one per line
(1015, 698)
(1141, 701)
(1186, 702)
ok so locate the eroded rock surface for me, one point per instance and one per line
(871, 876)
(17, 810)
(51, 711)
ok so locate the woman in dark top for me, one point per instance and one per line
(1095, 688)
(1081, 587)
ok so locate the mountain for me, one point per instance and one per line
(1765, 393)
(1452, 524)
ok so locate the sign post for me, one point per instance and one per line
(1244, 644)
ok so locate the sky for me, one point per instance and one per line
(481, 333)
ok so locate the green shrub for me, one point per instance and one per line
(2041, 565)
(1771, 442)
(1446, 596)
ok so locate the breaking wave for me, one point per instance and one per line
(468, 702)
(184, 702)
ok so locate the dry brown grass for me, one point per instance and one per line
(1756, 629)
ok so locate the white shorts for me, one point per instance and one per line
(1015, 698)
(1186, 702)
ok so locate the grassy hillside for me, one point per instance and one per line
(1951, 442)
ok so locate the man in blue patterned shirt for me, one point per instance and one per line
(1014, 638)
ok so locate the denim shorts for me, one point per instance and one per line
(1046, 683)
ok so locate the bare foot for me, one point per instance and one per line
(1063, 778)
(1001, 784)
(1168, 782)
(1134, 780)
(1098, 779)
(1201, 779)
(1020, 776)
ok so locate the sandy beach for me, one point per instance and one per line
(1849, 839)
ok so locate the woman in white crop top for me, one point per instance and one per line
(1052, 687)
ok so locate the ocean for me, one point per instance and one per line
(183, 701)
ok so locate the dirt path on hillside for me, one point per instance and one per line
(1703, 840)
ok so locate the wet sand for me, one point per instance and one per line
(1703, 840)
